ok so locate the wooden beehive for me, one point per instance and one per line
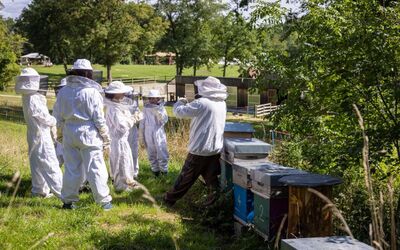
(307, 212)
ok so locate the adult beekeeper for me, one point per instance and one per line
(84, 186)
(45, 170)
(208, 114)
(120, 121)
(152, 131)
(81, 123)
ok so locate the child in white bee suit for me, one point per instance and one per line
(41, 133)
(152, 131)
(120, 120)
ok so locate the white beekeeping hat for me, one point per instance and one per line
(82, 64)
(28, 81)
(211, 87)
(118, 87)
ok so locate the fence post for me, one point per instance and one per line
(255, 110)
(272, 137)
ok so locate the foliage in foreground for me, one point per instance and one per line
(9, 50)
(337, 54)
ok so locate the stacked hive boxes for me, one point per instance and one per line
(232, 130)
(243, 155)
(257, 192)
(264, 192)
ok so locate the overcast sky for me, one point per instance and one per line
(13, 8)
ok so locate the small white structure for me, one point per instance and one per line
(35, 58)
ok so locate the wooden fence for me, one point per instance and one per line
(12, 114)
(264, 109)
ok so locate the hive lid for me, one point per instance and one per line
(239, 127)
(246, 146)
(310, 180)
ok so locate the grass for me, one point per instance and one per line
(135, 222)
(166, 72)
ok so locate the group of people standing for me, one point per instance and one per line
(80, 134)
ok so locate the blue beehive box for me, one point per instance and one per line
(225, 178)
(243, 202)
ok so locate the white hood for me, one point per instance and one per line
(212, 88)
(82, 82)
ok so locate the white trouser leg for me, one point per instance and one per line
(97, 174)
(152, 155)
(135, 150)
(83, 176)
(39, 185)
(163, 157)
(51, 171)
(72, 174)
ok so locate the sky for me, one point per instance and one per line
(13, 8)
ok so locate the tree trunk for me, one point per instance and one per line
(109, 77)
(225, 61)
(194, 67)
(65, 67)
(225, 65)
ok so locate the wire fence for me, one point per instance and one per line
(12, 114)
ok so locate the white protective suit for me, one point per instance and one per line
(120, 121)
(45, 170)
(79, 113)
(208, 117)
(59, 146)
(133, 138)
(154, 137)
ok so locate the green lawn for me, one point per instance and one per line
(136, 222)
(161, 72)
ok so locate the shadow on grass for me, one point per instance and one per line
(142, 233)
(7, 187)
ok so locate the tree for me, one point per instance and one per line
(189, 34)
(152, 27)
(102, 31)
(10, 50)
(56, 28)
(339, 54)
(235, 39)
(113, 33)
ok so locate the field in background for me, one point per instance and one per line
(167, 72)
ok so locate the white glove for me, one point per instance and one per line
(106, 137)
(183, 100)
(106, 151)
(138, 116)
(53, 132)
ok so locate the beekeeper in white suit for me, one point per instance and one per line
(81, 123)
(45, 170)
(120, 120)
(208, 114)
(152, 131)
(59, 147)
